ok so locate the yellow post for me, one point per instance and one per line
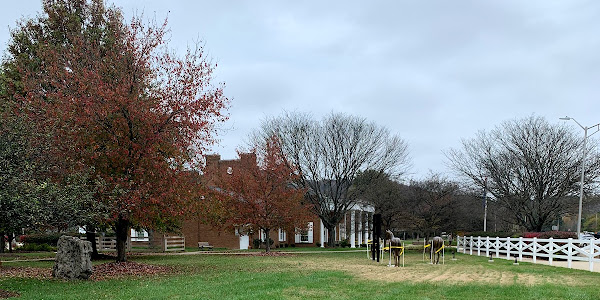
(403, 254)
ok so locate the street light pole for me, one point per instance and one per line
(585, 130)
(585, 136)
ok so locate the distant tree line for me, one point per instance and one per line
(423, 208)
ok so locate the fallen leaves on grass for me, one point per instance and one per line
(26, 272)
(8, 294)
(271, 254)
(100, 272)
(122, 269)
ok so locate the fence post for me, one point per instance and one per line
(520, 248)
(497, 245)
(551, 250)
(534, 250)
(465, 245)
(591, 255)
(470, 248)
(478, 246)
(164, 243)
(570, 253)
(487, 246)
(508, 246)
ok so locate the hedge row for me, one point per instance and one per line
(551, 234)
(42, 238)
(540, 235)
(491, 234)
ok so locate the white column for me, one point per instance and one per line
(360, 228)
(322, 236)
(352, 230)
(345, 235)
(366, 229)
(336, 234)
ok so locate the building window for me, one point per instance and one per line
(139, 236)
(305, 235)
(282, 237)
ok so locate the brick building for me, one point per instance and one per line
(355, 227)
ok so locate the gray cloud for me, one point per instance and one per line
(432, 71)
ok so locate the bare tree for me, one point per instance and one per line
(389, 198)
(328, 155)
(435, 204)
(531, 167)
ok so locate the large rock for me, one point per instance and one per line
(73, 258)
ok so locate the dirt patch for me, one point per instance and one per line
(424, 272)
(8, 294)
(447, 274)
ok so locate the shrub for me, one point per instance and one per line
(489, 233)
(256, 243)
(557, 235)
(318, 244)
(37, 247)
(345, 243)
(42, 238)
(530, 235)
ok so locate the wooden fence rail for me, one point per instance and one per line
(550, 249)
(168, 243)
(109, 243)
(173, 243)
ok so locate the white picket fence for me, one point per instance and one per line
(550, 249)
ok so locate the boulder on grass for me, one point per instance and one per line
(73, 258)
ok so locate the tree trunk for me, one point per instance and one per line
(330, 237)
(11, 237)
(267, 240)
(3, 241)
(121, 229)
(90, 234)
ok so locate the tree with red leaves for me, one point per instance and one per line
(116, 101)
(263, 195)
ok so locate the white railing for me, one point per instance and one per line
(550, 249)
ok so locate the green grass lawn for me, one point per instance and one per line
(329, 275)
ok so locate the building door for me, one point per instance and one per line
(244, 242)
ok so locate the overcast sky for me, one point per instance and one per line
(431, 71)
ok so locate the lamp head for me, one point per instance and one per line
(565, 118)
